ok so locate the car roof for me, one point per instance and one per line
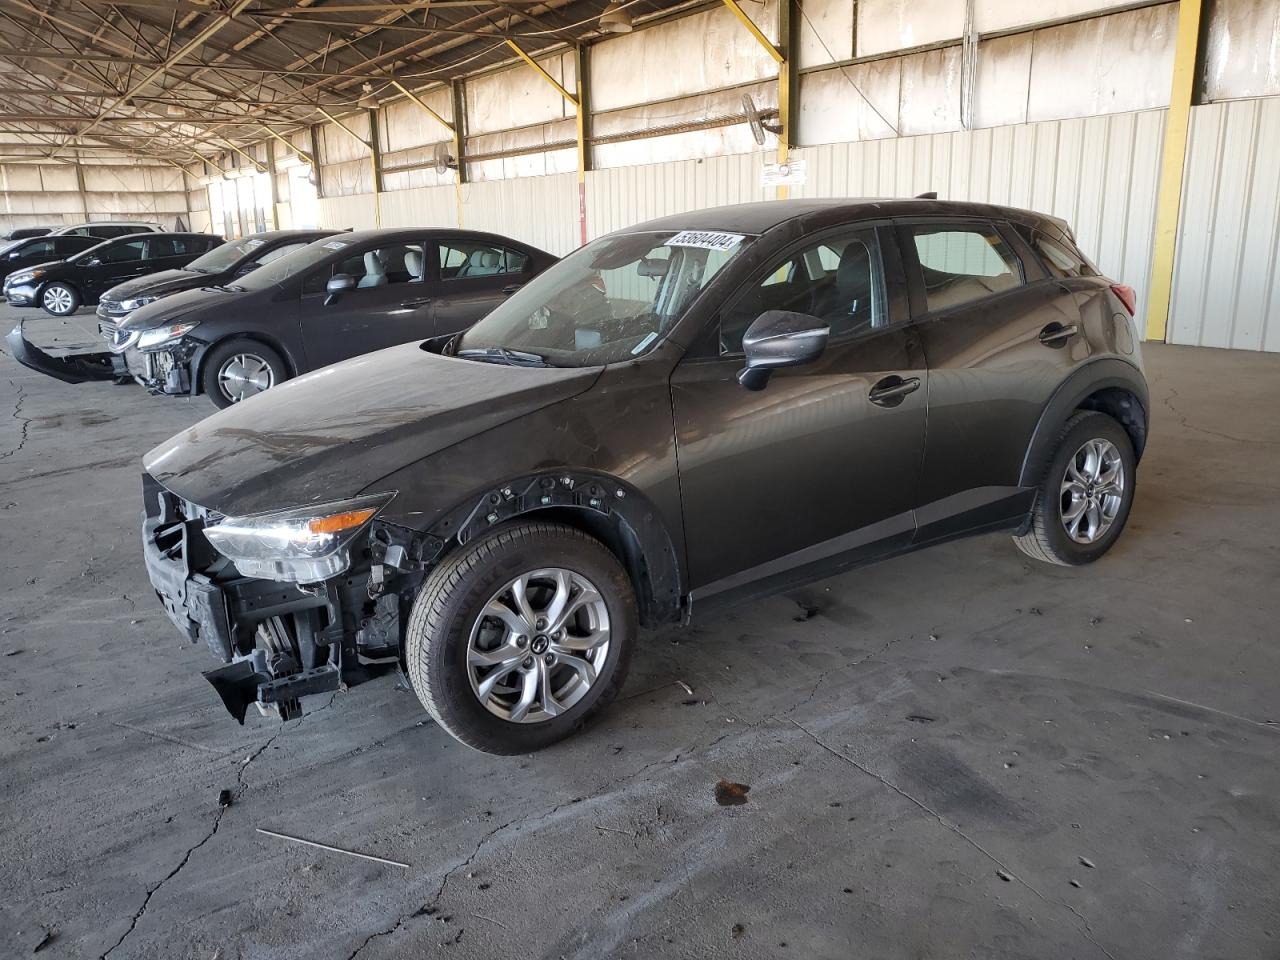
(764, 215)
(415, 233)
(298, 232)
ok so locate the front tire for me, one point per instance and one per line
(1084, 498)
(520, 637)
(239, 369)
(60, 299)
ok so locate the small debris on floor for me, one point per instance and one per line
(685, 687)
(224, 798)
(14, 652)
(1005, 876)
(1074, 883)
(738, 930)
(919, 718)
(807, 612)
(692, 703)
(50, 934)
(1086, 862)
(730, 794)
(933, 637)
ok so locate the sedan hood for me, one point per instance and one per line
(157, 285)
(330, 434)
(178, 306)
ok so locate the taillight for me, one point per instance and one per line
(1128, 296)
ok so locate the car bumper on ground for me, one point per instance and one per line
(74, 368)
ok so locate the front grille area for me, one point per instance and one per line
(118, 340)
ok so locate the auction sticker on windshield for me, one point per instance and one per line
(335, 245)
(706, 240)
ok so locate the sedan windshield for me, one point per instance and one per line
(226, 256)
(292, 264)
(611, 300)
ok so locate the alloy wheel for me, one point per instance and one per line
(1092, 490)
(245, 375)
(538, 645)
(58, 300)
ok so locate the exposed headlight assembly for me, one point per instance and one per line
(26, 276)
(301, 545)
(163, 335)
(130, 305)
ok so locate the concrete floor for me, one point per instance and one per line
(962, 753)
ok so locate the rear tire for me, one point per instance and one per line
(238, 369)
(60, 299)
(473, 671)
(1086, 492)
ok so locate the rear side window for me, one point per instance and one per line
(964, 264)
(460, 259)
(167, 247)
(1060, 261)
(66, 246)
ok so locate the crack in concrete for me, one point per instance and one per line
(1182, 421)
(217, 822)
(946, 824)
(432, 906)
(17, 415)
(813, 691)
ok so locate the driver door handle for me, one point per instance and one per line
(892, 390)
(415, 303)
(1056, 333)
(512, 287)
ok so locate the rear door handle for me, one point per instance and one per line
(415, 303)
(512, 287)
(892, 390)
(1056, 333)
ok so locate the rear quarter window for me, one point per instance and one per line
(1060, 260)
(961, 264)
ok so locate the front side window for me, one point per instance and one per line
(383, 266)
(460, 259)
(963, 264)
(611, 300)
(838, 280)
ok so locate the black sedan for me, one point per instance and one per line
(63, 286)
(33, 251)
(693, 411)
(336, 298)
(221, 265)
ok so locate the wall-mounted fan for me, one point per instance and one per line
(760, 121)
(443, 160)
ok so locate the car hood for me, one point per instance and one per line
(160, 284)
(331, 433)
(178, 306)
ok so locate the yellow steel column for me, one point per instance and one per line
(1172, 163)
(455, 134)
(374, 162)
(786, 71)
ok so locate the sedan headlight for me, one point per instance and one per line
(130, 305)
(302, 545)
(162, 335)
(26, 276)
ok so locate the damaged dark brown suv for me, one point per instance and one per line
(692, 411)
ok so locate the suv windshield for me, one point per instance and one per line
(225, 256)
(611, 300)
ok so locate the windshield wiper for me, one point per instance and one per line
(225, 289)
(514, 358)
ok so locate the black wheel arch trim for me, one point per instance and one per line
(602, 505)
(1105, 373)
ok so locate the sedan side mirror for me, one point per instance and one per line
(338, 283)
(780, 338)
(95, 262)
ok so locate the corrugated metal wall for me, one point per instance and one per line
(542, 211)
(1226, 292)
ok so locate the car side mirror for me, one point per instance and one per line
(339, 283)
(780, 338)
(95, 262)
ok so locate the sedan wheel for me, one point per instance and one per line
(538, 645)
(244, 375)
(58, 300)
